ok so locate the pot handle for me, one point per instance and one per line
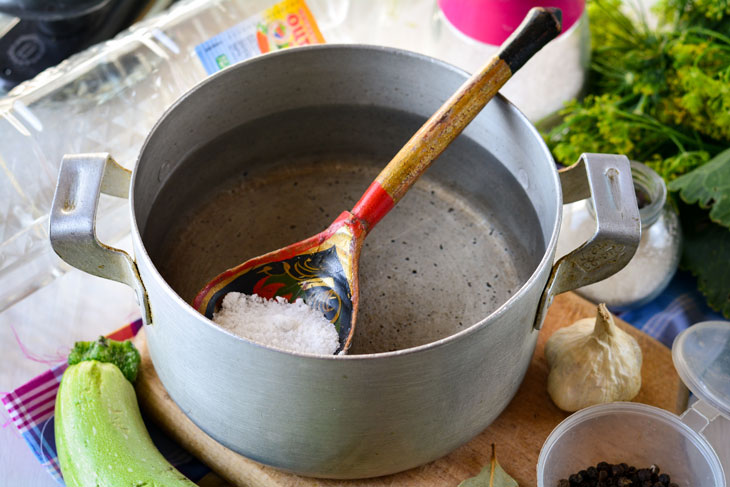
(606, 179)
(73, 220)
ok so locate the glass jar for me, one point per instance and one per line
(657, 257)
(467, 34)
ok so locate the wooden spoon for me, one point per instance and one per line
(323, 269)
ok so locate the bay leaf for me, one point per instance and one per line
(492, 475)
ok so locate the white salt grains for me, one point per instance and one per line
(277, 323)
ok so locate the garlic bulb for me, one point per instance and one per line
(592, 362)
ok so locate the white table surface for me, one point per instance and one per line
(77, 306)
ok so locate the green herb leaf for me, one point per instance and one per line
(706, 253)
(708, 186)
(657, 94)
(491, 475)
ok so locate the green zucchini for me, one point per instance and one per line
(100, 436)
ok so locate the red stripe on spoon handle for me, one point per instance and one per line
(374, 204)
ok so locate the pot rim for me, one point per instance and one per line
(546, 259)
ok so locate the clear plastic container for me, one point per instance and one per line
(103, 99)
(633, 433)
(701, 355)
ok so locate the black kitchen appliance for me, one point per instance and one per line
(45, 32)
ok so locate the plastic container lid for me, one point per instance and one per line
(701, 355)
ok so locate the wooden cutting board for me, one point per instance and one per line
(518, 432)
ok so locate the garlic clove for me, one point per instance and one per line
(591, 362)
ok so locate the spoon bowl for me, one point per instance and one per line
(323, 269)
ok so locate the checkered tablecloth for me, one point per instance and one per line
(31, 408)
(677, 308)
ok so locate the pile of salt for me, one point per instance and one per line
(277, 323)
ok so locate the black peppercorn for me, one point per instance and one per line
(617, 475)
(644, 474)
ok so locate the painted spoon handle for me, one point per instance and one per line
(539, 27)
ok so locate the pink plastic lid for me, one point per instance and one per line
(492, 21)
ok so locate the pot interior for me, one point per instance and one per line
(460, 243)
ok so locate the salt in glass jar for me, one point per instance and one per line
(657, 257)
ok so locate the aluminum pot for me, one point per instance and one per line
(349, 416)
